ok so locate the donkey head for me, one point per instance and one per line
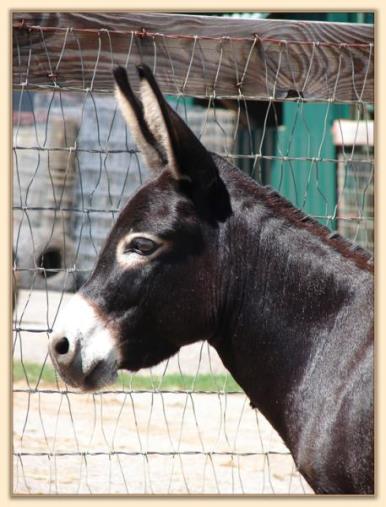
(153, 288)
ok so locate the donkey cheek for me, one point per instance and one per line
(144, 351)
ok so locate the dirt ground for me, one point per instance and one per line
(146, 443)
(123, 442)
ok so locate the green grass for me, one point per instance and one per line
(135, 382)
(32, 372)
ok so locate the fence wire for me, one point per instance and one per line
(183, 426)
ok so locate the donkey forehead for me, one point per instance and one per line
(158, 206)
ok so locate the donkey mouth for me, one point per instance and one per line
(102, 374)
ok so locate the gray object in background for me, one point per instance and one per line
(43, 197)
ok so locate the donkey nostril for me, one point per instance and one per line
(62, 346)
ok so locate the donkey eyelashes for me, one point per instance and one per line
(141, 246)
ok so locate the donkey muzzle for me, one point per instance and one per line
(67, 359)
(82, 347)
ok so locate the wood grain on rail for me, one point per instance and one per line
(197, 55)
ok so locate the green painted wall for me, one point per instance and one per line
(306, 132)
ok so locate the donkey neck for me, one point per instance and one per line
(282, 289)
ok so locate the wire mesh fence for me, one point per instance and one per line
(294, 112)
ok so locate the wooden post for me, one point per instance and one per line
(197, 55)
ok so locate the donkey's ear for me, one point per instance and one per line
(164, 138)
(132, 110)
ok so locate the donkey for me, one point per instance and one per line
(202, 252)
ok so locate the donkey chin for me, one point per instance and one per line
(82, 347)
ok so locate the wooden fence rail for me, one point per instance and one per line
(197, 55)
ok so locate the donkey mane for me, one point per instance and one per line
(361, 257)
(279, 205)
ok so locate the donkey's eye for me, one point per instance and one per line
(142, 246)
